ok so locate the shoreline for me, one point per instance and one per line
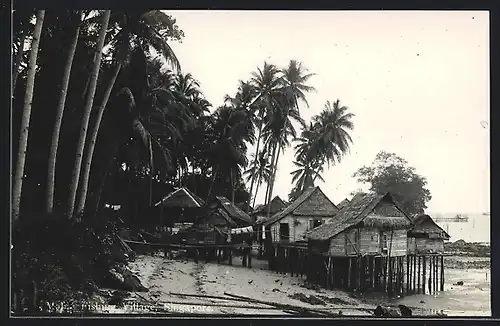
(167, 280)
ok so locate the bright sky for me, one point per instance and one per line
(418, 83)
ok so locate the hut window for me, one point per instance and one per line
(284, 231)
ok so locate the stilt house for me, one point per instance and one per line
(310, 210)
(363, 246)
(180, 206)
(241, 218)
(260, 214)
(426, 236)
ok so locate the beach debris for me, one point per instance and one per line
(276, 290)
(422, 301)
(405, 311)
(276, 281)
(311, 286)
(303, 311)
(311, 299)
(250, 282)
(459, 283)
(383, 311)
(333, 300)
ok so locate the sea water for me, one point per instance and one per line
(476, 229)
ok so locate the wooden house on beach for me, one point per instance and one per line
(426, 255)
(310, 210)
(179, 206)
(363, 247)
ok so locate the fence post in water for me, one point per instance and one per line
(430, 274)
(418, 273)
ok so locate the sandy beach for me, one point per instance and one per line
(165, 277)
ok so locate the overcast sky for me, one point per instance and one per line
(418, 83)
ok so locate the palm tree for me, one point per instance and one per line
(332, 126)
(59, 115)
(267, 84)
(25, 122)
(148, 34)
(259, 170)
(294, 80)
(231, 130)
(86, 115)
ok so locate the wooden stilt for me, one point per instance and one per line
(349, 273)
(250, 257)
(436, 274)
(414, 278)
(373, 272)
(384, 266)
(418, 274)
(423, 274)
(407, 273)
(442, 273)
(430, 274)
(230, 256)
(359, 273)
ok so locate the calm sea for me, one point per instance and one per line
(476, 229)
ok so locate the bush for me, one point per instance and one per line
(65, 259)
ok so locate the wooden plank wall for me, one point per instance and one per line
(399, 242)
(429, 245)
(298, 226)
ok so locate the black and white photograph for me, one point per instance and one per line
(265, 163)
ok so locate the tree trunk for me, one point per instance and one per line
(256, 191)
(212, 184)
(84, 183)
(25, 120)
(51, 170)
(102, 185)
(232, 186)
(256, 159)
(269, 186)
(151, 172)
(86, 115)
(319, 168)
(273, 178)
(19, 58)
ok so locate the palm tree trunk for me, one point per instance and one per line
(256, 158)
(25, 120)
(101, 186)
(51, 170)
(256, 191)
(212, 184)
(232, 186)
(316, 174)
(269, 186)
(151, 172)
(86, 115)
(19, 58)
(273, 178)
(84, 183)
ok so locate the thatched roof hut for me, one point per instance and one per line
(426, 227)
(343, 203)
(259, 213)
(361, 212)
(312, 202)
(234, 212)
(181, 198)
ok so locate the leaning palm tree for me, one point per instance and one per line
(144, 28)
(332, 126)
(86, 114)
(59, 113)
(25, 120)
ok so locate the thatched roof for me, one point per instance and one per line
(361, 209)
(182, 198)
(312, 202)
(343, 203)
(431, 228)
(277, 204)
(234, 212)
(217, 211)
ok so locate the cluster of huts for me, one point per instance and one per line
(366, 243)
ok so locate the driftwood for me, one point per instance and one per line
(213, 297)
(301, 310)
